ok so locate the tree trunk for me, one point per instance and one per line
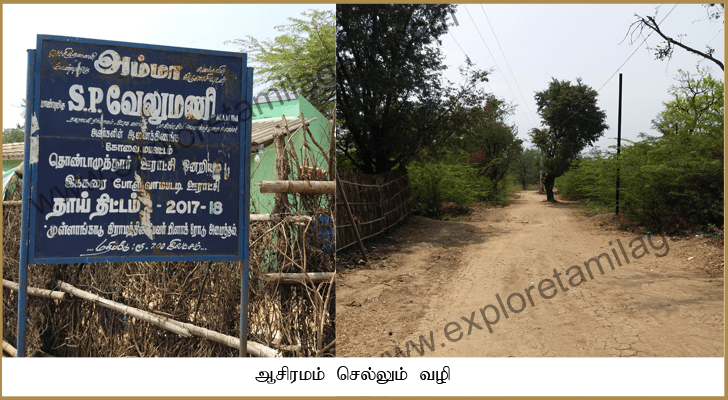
(550, 187)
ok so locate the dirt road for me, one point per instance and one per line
(438, 288)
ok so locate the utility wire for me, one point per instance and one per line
(466, 56)
(509, 65)
(491, 54)
(620, 67)
(635, 50)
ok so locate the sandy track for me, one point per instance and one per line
(427, 286)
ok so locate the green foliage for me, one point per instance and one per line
(675, 178)
(14, 135)
(391, 97)
(697, 106)
(460, 218)
(525, 167)
(445, 179)
(591, 208)
(491, 141)
(591, 178)
(665, 50)
(303, 58)
(679, 175)
(573, 122)
(664, 182)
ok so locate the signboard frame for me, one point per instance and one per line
(33, 133)
(241, 108)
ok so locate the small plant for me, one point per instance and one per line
(456, 218)
(592, 208)
(712, 231)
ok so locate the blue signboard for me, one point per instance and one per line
(137, 153)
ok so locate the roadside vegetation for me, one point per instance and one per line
(671, 183)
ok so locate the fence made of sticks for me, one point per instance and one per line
(186, 309)
(377, 203)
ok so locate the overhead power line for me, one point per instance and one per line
(620, 67)
(635, 50)
(467, 56)
(491, 54)
(509, 65)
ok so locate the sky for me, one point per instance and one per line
(192, 26)
(541, 42)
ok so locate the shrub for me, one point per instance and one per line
(448, 179)
(663, 181)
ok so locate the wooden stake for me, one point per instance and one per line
(351, 219)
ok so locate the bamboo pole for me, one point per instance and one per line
(12, 203)
(9, 349)
(293, 278)
(171, 325)
(351, 219)
(307, 187)
(48, 294)
(131, 311)
(279, 217)
(255, 349)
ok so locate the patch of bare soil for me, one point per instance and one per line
(430, 286)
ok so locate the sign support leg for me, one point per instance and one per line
(22, 308)
(243, 309)
(25, 210)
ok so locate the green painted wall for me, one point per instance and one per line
(289, 108)
(262, 203)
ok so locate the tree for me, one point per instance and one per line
(301, 59)
(491, 141)
(572, 121)
(525, 167)
(665, 51)
(697, 106)
(14, 135)
(391, 98)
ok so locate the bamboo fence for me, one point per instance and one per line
(377, 202)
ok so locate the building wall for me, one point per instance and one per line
(262, 203)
